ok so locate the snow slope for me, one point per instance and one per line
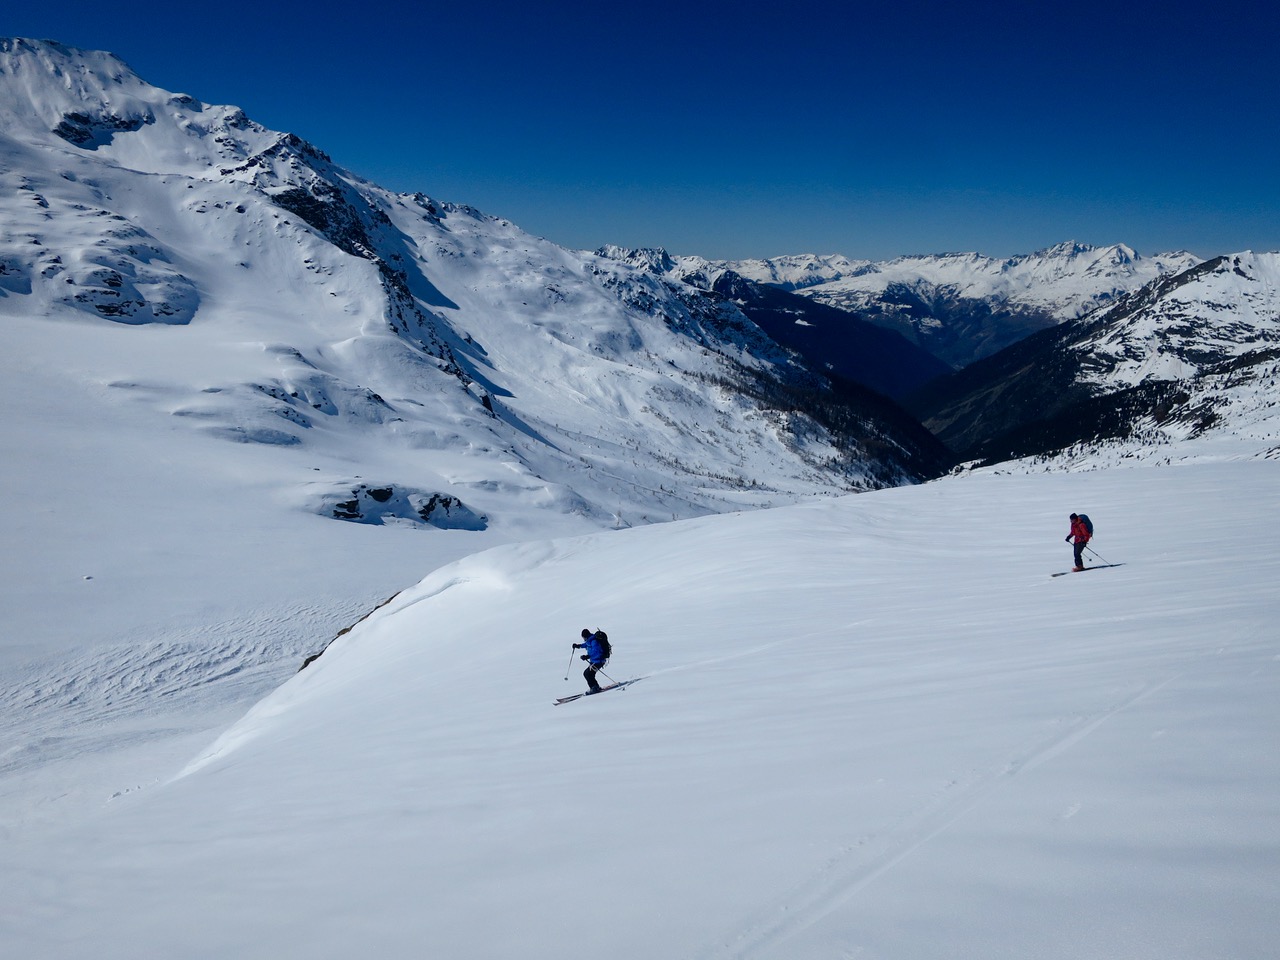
(214, 343)
(871, 726)
(216, 347)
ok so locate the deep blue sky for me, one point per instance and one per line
(756, 129)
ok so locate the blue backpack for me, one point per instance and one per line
(1088, 524)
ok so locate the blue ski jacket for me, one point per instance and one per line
(591, 647)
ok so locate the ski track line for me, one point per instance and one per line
(854, 867)
(736, 655)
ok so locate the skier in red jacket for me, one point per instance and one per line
(1081, 533)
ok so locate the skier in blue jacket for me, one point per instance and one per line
(595, 656)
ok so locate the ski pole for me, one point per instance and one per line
(569, 666)
(1097, 554)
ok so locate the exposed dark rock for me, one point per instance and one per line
(365, 503)
(92, 132)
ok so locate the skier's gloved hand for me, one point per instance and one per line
(577, 646)
(583, 657)
(1067, 538)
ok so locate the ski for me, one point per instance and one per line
(604, 689)
(1101, 566)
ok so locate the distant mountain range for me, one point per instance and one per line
(1192, 356)
(1072, 355)
(965, 306)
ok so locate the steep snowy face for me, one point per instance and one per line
(1205, 347)
(93, 101)
(309, 309)
(1227, 308)
(1187, 364)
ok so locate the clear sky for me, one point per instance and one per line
(757, 129)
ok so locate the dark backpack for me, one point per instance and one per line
(1088, 524)
(606, 649)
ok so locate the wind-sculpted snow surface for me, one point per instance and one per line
(863, 731)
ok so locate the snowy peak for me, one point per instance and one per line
(1189, 357)
(91, 100)
(1072, 279)
(797, 272)
(647, 259)
(1116, 255)
(321, 313)
(1175, 328)
(53, 81)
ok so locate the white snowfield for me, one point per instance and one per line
(868, 727)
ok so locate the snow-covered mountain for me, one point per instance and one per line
(966, 306)
(1194, 355)
(233, 279)
(1226, 310)
(853, 736)
(830, 339)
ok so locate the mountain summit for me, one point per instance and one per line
(439, 360)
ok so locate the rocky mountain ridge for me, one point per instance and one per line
(1192, 356)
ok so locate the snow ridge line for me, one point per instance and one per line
(839, 880)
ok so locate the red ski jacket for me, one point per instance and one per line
(1079, 531)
